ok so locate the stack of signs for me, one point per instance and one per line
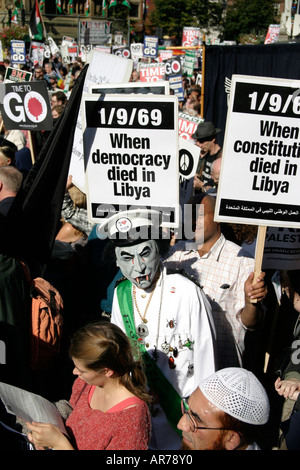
(131, 155)
(262, 141)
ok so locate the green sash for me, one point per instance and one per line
(168, 397)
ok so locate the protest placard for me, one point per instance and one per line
(189, 63)
(190, 36)
(188, 125)
(157, 88)
(150, 49)
(188, 161)
(103, 69)
(18, 52)
(25, 106)
(36, 53)
(259, 181)
(176, 86)
(136, 50)
(13, 75)
(131, 155)
(282, 248)
(152, 72)
(94, 32)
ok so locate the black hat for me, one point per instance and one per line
(205, 129)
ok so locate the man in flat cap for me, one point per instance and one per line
(205, 138)
(165, 314)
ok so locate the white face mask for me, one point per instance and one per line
(139, 263)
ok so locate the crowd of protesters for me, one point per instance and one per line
(83, 268)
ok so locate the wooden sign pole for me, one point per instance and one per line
(259, 253)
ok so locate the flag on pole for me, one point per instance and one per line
(104, 8)
(37, 206)
(58, 5)
(14, 16)
(87, 7)
(71, 5)
(126, 3)
(146, 8)
(19, 4)
(35, 24)
(112, 3)
(42, 4)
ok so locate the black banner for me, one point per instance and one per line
(221, 62)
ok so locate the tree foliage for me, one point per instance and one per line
(248, 17)
(173, 15)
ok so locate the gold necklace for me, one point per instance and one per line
(143, 318)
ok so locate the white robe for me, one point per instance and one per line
(184, 304)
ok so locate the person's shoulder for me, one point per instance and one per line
(180, 248)
(182, 275)
(237, 249)
(120, 280)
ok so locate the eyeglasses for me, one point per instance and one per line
(192, 423)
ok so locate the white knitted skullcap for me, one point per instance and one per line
(239, 393)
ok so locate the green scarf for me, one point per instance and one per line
(168, 397)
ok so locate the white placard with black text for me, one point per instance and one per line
(131, 154)
(259, 180)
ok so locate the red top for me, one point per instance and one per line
(117, 429)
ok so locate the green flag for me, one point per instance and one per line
(35, 24)
(126, 3)
(58, 5)
(103, 8)
(87, 7)
(112, 3)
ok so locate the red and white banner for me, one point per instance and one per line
(190, 36)
(272, 34)
(152, 72)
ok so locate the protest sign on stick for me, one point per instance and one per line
(103, 69)
(261, 156)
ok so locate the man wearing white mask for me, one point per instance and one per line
(166, 314)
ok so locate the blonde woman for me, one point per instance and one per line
(109, 396)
